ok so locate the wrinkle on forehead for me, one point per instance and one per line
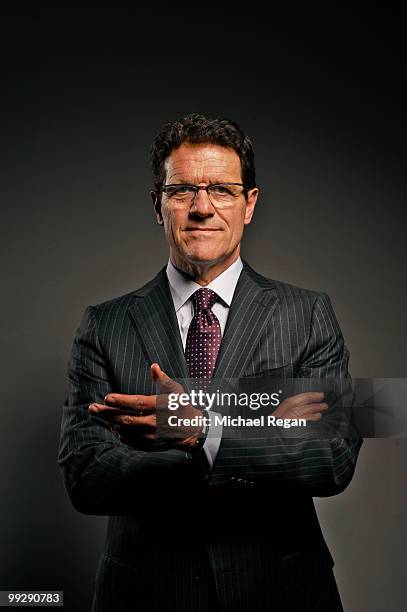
(202, 163)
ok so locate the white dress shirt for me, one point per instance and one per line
(182, 287)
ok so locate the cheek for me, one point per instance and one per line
(172, 222)
(236, 225)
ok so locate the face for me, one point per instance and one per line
(200, 234)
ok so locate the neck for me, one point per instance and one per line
(204, 273)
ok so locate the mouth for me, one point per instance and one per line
(202, 229)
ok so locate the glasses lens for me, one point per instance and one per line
(221, 194)
(180, 193)
(224, 194)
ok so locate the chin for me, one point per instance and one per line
(203, 257)
(201, 253)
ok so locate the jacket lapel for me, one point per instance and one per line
(253, 303)
(155, 321)
(153, 315)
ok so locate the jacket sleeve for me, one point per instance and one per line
(320, 458)
(102, 475)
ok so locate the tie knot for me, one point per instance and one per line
(203, 298)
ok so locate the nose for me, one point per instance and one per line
(202, 206)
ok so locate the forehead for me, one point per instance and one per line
(202, 163)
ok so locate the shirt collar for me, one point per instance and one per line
(182, 286)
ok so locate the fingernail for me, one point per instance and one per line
(93, 408)
(110, 399)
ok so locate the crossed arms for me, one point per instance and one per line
(106, 475)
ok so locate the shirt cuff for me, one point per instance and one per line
(213, 438)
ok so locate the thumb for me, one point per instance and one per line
(165, 383)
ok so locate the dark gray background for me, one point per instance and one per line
(321, 96)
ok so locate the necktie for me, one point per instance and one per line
(204, 335)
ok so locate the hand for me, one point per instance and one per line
(308, 406)
(134, 417)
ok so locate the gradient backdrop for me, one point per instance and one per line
(321, 95)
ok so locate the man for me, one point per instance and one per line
(201, 519)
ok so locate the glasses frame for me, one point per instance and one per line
(199, 187)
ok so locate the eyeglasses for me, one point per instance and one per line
(221, 195)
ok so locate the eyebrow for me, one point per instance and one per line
(211, 183)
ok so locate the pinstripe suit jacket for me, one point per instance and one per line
(252, 522)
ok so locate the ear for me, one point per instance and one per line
(251, 200)
(157, 207)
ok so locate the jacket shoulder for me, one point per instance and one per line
(125, 298)
(285, 291)
(288, 292)
(119, 304)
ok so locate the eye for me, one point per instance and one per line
(220, 190)
(180, 190)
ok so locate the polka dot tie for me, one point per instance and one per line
(204, 336)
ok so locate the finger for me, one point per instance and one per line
(303, 411)
(316, 416)
(150, 436)
(155, 369)
(132, 402)
(103, 410)
(311, 408)
(165, 383)
(310, 397)
(129, 420)
(107, 413)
